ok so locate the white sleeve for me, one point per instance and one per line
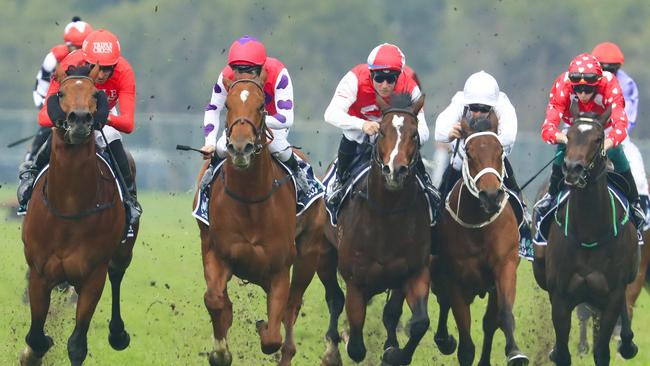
(448, 117)
(344, 96)
(211, 118)
(423, 129)
(283, 117)
(43, 79)
(507, 129)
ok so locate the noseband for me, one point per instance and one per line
(64, 124)
(598, 156)
(259, 145)
(375, 156)
(470, 181)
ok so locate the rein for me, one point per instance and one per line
(259, 144)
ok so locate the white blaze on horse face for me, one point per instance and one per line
(78, 82)
(398, 122)
(585, 128)
(244, 95)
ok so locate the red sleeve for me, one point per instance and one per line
(43, 118)
(558, 105)
(613, 96)
(124, 122)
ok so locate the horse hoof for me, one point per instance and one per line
(119, 341)
(356, 350)
(627, 351)
(517, 359)
(446, 345)
(220, 358)
(393, 356)
(28, 358)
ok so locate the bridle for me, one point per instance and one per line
(598, 156)
(375, 156)
(64, 124)
(259, 144)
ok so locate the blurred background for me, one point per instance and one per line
(177, 49)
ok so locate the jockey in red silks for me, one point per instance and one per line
(594, 91)
(353, 108)
(73, 36)
(117, 80)
(247, 57)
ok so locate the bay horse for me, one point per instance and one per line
(382, 241)
(592, 252)
(477, 238)
(254, 233)
(75, 223)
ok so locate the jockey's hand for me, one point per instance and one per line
(561, 138)
(609, 143)
(370, 128)
(208, 151)
(456, 132)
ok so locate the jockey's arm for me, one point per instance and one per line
(558, 106)
(448, 118)
(43, 79)
(124, 122)
(631, 96)
(618, 131)
(212, 115)
(423, 129)
(283, 117)
(345, 95)
(43, 117)
(507, 128)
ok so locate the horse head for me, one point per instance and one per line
(483, 167)
(245, 119)
(78, 108)
(397, 148)
(585, 153)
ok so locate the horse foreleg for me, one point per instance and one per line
(626, 346)
(446, 343)
(304, 268)
(276, 304)
(490, 325)
(506, 286)
(417, 294)
(355, 308)
(561, 314)
(217, 274)
(608, 318)
(90, 291)
(118, 337)
(39, 301)
(461, 311)
(335, 302)
(392, 313)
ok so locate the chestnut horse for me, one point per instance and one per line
(74, 224)
(478, 239)
(382, 241)
(592, 252)
(254, 233)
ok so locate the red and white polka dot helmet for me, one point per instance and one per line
(386, 56)
(585, 63)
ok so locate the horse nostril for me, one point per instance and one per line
(385, 170)
(230, 148)
(401, 170)
(249, 148)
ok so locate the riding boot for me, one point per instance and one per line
(41, 136)
(525, 232)
(346, 153)
(299, 175)
(545, 203)
(208, 175)
(637, 213)
(27, 173)
(430, 189)
(449, 178)
(131, 203)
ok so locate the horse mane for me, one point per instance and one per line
(480, 124)
(78, 70)
(401, 101)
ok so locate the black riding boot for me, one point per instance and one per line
(449, 178)
(347, 151)
(132, 205)
(42, 135)
(298, 174)
(525, 232)
(637, 213)
(431, 190)
(27, 173)
(554, 187)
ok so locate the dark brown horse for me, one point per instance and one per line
(254, 233)
(74, 225)
(592, 251)
(477, 237)
(382, 241)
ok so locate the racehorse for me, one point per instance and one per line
(253, 232)
(75, 223)
(477, 238)
(382, 241)
(592, 251)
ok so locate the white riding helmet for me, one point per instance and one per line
(481, 88)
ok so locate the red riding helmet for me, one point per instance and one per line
(101, 47)
(76, 31)
(247, 51)
(585, 69)
(386, 56)
(608, 53)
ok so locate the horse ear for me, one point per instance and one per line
(59, 73)
(574, 109)
(101, 114)
(227, 83)
(494, 122)
(263, 76)
(418, 104)
(381, 103)
(605, 116)
(94, 72)
(464, 128)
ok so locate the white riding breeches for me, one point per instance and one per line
(111, 135)
(279, 147)
(636, 164)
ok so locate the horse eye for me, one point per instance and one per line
(60, 94)
(414, 137)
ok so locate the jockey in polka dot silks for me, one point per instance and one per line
(594, 90)
(247, 56)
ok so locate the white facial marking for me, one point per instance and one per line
(78, 82)
(244, 95)
(585, 128)
(398, 122)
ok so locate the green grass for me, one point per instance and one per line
(164, 312)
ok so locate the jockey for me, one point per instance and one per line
(247, 56)
(594, 91)
(117, 80)
(611, 59)
(73, 36)
(353, 107)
